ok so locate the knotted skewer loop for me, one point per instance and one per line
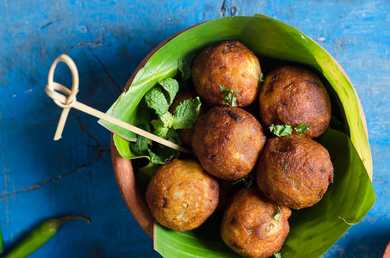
(66, 98)
(54, 89)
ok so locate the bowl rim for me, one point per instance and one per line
(123, 169)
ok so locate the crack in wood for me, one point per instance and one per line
(44, 26)
(46, 181)
(227, 8)
(105, 70)
(84, 129)
(89, 44)
(100, 148)
(223, 8)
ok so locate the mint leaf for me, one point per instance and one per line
(162, 155)
(162, 126)
(286, 130)
(124, 148)
(278, 214)
(173, 136)
(159, 128)
(184, 66)
(165, 132)
(301, 128)
(167, 119)
(141, 145)
(171, 86)
(281, 130)
(261, 77)
(246, 181)
(155, 99)
(277, 255)
(229, 96)
(162, 132)
(156, 159)
(186, 113)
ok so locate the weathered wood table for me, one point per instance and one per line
(40, 178)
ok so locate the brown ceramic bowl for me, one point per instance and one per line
(134, 199)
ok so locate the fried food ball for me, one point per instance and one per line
(181, 196)
(229, 64)
(185, 134)
(253, 226)
(227, 142)
(294, 171)
(294, 95)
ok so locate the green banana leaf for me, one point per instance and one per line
(315, 229)
(266, 37)
(312, 230)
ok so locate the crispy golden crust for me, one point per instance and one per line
(230, 64)
(294, 171)
(227, 142)
(251, 226)
(181, 196)
(293, 95)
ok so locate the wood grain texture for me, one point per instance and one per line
(107, 39)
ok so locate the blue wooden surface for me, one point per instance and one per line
(40, 178)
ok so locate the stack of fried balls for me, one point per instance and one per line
(230, 143)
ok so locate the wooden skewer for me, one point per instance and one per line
(66, 98)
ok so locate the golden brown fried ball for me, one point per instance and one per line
(294, 95)
(227, 142)
(181, 196)
(185, 134)
(253, 226)
(294, 171)
(229, 64)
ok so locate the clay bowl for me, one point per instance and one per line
(124, 172)
(134, 199)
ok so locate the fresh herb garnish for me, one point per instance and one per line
(171, 86)
(167, 119)
(277, 255)
(229, 96)
(246, 181)
(261, 77)
(278, 214)
(281, 130)
(156, 159)
(286, 130)
(184, 66)
(159, 128)
(141, 145)
(155, 99)
(186, 113)
(301, 128)
(173, 136)
(159, 99)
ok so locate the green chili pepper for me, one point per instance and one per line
(39, 236)
(1, 242)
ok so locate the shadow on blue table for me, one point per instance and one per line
(366, 246)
